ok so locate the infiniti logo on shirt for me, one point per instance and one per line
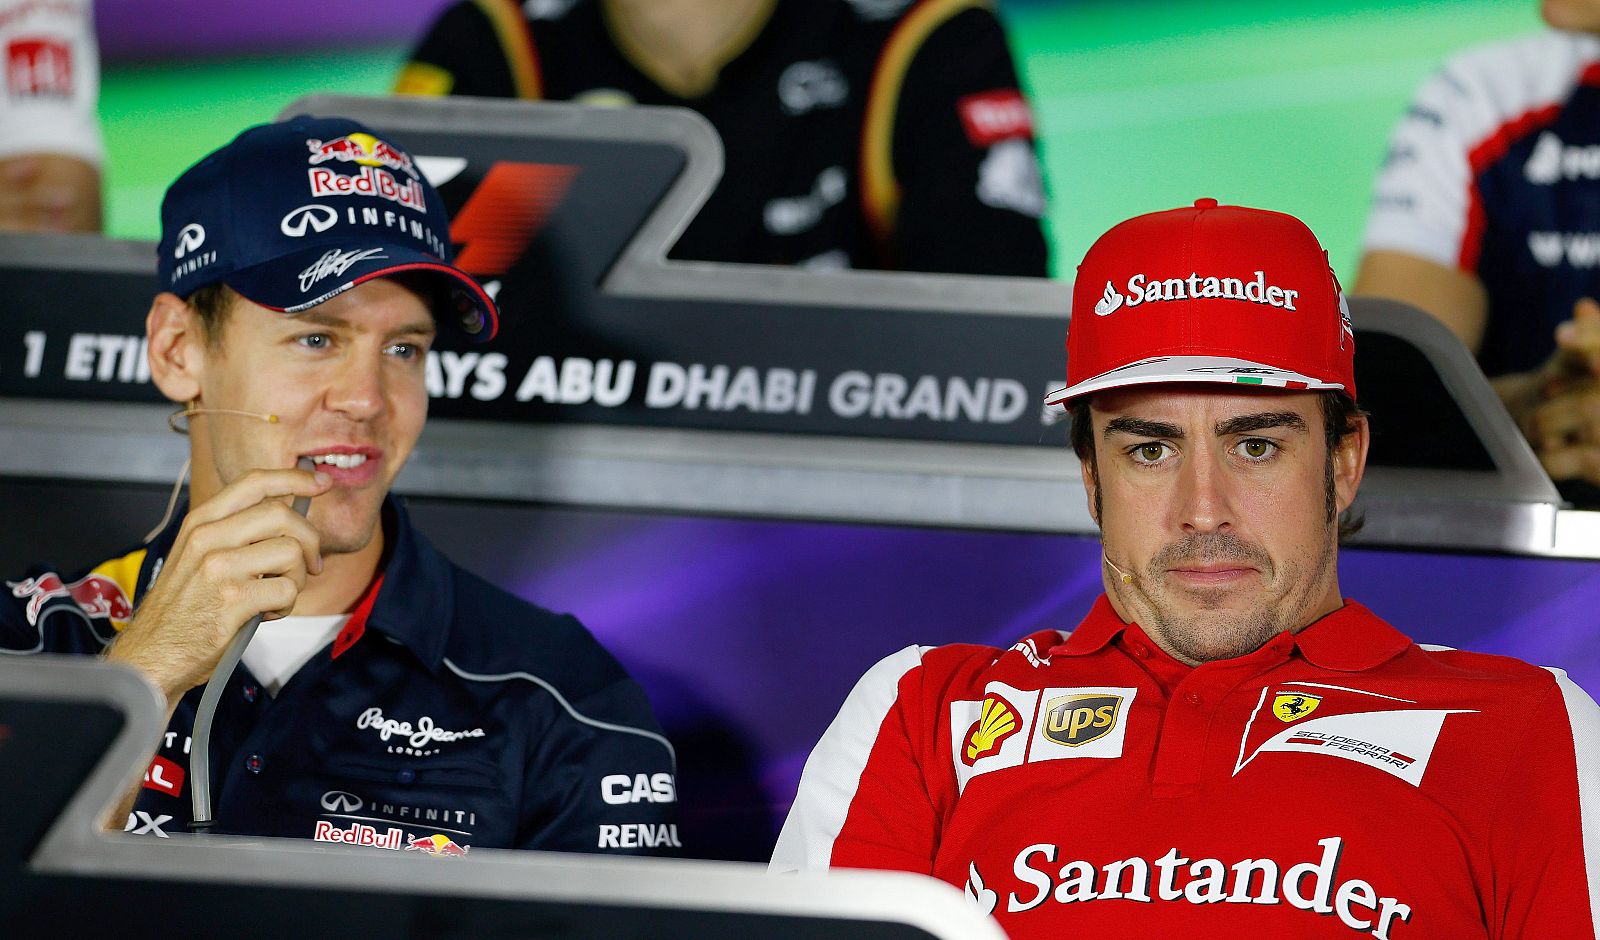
(340, 801)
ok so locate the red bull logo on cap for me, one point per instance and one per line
(439, 845)
(363, 149)
(370, 181)
(95, 594)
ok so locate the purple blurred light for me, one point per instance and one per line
(157, 29)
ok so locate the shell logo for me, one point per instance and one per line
(997, 721)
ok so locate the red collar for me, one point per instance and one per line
(357, 624)
(1351, 639)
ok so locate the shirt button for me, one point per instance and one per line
(1193, 698)
(250, 693)
(1141, 652)
(406, 776)
(254, 763)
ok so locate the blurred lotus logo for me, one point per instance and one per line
(190, 237)
(1108, 303)
(996, 722)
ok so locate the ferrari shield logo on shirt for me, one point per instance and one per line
(1370, 728)
(1293, 706)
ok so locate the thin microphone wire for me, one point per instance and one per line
(172, 503)
(172, 422)
(1126, 577)
(191, 411)
(200, 743)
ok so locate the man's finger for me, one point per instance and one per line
(257, 486)
(258, 523)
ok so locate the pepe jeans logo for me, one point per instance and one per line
(414, 738)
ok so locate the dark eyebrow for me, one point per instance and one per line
(1142, 427)
(1244, 424)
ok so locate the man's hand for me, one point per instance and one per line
(1558, 407)
(241, 553)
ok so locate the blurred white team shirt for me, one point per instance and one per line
(52, 79)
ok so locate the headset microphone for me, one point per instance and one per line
(172, 419)
(1126, 577)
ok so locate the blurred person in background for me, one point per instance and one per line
(883, 134)
(1487, 216)
(50, 150)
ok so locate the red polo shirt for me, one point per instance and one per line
(1338, 782)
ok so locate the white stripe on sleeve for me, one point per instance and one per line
(833, 771)
(1421, 202)
(1585, 718)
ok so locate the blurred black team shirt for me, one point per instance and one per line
(858, 133)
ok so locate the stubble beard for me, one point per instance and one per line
(1217, 631)
(350, 536)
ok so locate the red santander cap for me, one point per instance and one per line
(1208, 293)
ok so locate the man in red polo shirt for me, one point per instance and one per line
(1224, 745)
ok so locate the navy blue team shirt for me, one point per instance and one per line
(447, 715)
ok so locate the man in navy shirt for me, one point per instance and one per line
(390, 698)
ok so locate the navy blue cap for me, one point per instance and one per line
(294, 214)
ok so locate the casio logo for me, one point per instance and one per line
(618, 789)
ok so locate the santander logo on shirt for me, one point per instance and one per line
(1145, 289)
(1045, 875)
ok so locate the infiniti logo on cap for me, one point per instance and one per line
(190, 237)
(318, 217)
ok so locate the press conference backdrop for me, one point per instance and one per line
(1140, 104)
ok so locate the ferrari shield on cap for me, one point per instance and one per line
(1208, 293)
(293, 214)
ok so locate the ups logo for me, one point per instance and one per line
(1076, 720)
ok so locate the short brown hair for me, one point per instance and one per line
(1340, 415)
(211, 304)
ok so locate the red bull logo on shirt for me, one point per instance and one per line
(359, 834)
(437, 845)
(363, 149)
(95, 594)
